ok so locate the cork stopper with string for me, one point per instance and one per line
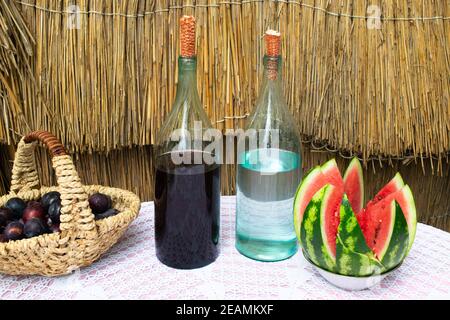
(273, 48)
(187, 36)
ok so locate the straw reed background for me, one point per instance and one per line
(104, 88)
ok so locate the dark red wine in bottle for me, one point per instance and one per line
(187, 202)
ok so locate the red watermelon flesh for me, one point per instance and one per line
(331, 216)
(379, 224)
(375, 220)
(406, 202)
(332, 200)
(354, 185)
(395, 185)
(316, 180)
(331, 171)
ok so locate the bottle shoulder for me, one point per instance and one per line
(273, 122)
(272, 115)
(187, 122)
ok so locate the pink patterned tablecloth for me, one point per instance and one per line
(130, 270)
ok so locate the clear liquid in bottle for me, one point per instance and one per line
(268, 175)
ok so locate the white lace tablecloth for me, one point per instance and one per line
(130, 270)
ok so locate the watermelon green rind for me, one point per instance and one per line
(355, 264)
(378, 267)
(331, 197)
(397, 248)
(308, 227)
(412, 214)
(350, 263)
(349, 230)
(398, 180)
(356, 197)
(329, 165)
(353, 256)
(311, 235)
(300, 197)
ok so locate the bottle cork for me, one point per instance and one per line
(187, 36)
(273, 43)
(273, 48)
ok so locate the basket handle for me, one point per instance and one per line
(52, 143)
(76, 215)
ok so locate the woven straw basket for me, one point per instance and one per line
(82, 240)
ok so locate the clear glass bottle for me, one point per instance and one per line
(187, 183)
(269, 171)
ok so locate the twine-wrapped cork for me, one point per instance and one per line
(187, 36)
(273, 48)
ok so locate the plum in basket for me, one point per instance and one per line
(13, 231)
(5, 215)
(34, 227)
(100, 203)
(106, 214)
(33, 210)
(54, 211)
(17, 206)
(50, 197)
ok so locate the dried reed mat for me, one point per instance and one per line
(110, 83)
(16, 78)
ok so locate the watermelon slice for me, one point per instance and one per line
(312, 232)
(312, 183)
(396, 184)
(353, 256)
(330, 217)
(354, 185)
(393, 186)
(331, 171)
(315, 180)
(387, 233)
(405, 200)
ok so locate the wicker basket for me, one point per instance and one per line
(82, 240)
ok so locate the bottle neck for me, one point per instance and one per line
(187, 76)
(272, 69)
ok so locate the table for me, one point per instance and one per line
(130, 270)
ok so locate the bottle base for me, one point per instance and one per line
(191, 266)
(266, 250)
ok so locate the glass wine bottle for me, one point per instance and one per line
(187, 183)
(269, 170)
